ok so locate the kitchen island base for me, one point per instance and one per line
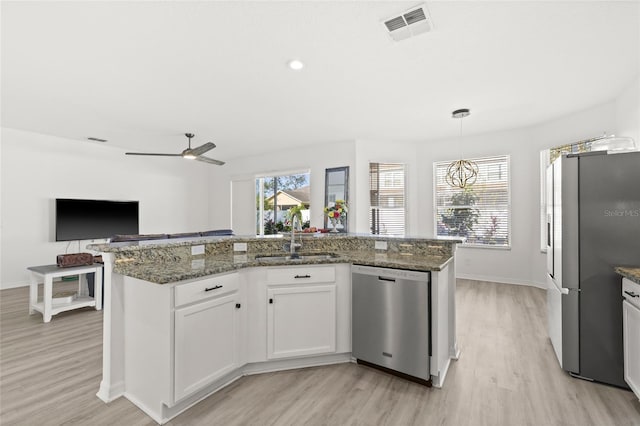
(162, 413)
(189, 326)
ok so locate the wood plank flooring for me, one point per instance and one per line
(507, 375)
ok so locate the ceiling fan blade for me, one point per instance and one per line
(203, 148)
(156, 154)
(209, 160)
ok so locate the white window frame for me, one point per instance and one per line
(405, 195)
(509, 205)
(271, 174)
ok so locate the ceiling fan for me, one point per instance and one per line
(189, 153)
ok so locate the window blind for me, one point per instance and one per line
(387, 198)
(480, 212)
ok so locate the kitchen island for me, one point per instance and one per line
(630, 273)
(185, 318)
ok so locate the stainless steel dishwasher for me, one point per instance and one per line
(391, 320)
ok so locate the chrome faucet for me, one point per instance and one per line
(293, 245)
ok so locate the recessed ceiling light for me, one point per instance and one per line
(296, 65)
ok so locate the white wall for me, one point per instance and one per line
(315, 158)
(628, 112)
(179, 197)
(36, 169)
(523, 263)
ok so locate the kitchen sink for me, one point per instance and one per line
(297, 257)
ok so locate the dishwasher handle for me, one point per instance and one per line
(386, 279)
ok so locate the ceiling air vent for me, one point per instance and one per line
(412, 22)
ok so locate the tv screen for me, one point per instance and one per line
(93, 219)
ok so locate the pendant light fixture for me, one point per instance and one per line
(461, 173)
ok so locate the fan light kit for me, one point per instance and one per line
(461, 173)
(189, 153)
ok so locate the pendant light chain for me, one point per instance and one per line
(461, 173)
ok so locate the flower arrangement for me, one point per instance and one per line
(337, 212)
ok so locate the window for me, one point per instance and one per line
(480, 212)
(387, 198)
(279, 195)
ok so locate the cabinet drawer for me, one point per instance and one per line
(629, 290)
(301, 275)
(206, 288)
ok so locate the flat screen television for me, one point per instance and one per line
(94, 219)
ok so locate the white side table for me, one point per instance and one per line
(49, 272)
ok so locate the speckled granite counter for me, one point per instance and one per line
(163, 262)
(632, 274)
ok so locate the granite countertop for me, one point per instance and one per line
(126, 246)
(630, 273)
(183, 269)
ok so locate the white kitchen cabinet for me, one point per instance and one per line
(206, 343)
(301, 311)
(184, 344)
(268, 336)
(631, 333)
(301, 320)
(193, 339)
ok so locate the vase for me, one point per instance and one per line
(334, 223)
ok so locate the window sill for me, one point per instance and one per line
(484, 246)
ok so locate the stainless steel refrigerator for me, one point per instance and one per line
(593, 224)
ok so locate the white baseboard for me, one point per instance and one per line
(502, 280)
(7, 286)
(109, 393)
(17, 284)
(295, 363)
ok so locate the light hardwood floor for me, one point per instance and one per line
(507, 375)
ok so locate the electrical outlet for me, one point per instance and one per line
(381, 245)
(239, 246)
(196, 250)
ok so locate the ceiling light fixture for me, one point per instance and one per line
(461, 173)
(296, 65)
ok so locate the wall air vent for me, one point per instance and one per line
(412, 22)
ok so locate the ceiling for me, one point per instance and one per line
(141, 74)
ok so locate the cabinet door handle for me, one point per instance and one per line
(238, 306)
(270, 300)
(302, 276)
(631, 293)
(213, 288)
(386, 279)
